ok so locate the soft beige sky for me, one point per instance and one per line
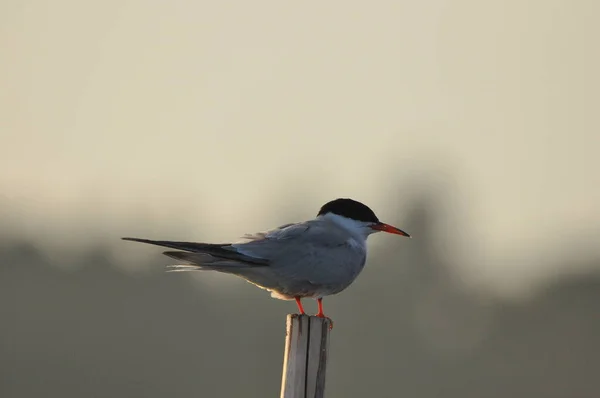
(152, 110)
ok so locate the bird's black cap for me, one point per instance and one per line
(350, 209)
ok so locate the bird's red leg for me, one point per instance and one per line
(300, 306)
(320, 314)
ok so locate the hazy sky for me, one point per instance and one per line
(156, 111)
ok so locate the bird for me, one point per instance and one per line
(310, 259)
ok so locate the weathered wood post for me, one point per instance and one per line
(305, 358)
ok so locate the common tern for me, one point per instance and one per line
(310, 259)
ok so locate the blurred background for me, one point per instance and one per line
(472, 125)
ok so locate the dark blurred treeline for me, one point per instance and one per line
(406, 328)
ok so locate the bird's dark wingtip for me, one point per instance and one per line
(137, 240)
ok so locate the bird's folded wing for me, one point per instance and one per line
(295, 239)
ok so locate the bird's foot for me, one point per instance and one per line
(321, 315)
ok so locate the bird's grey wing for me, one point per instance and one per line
(312, 252)
(206, 253)
(268, 244)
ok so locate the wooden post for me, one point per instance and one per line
(305, 358)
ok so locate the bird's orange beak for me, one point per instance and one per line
(389, 229)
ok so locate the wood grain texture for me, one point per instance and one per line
(305, 357)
